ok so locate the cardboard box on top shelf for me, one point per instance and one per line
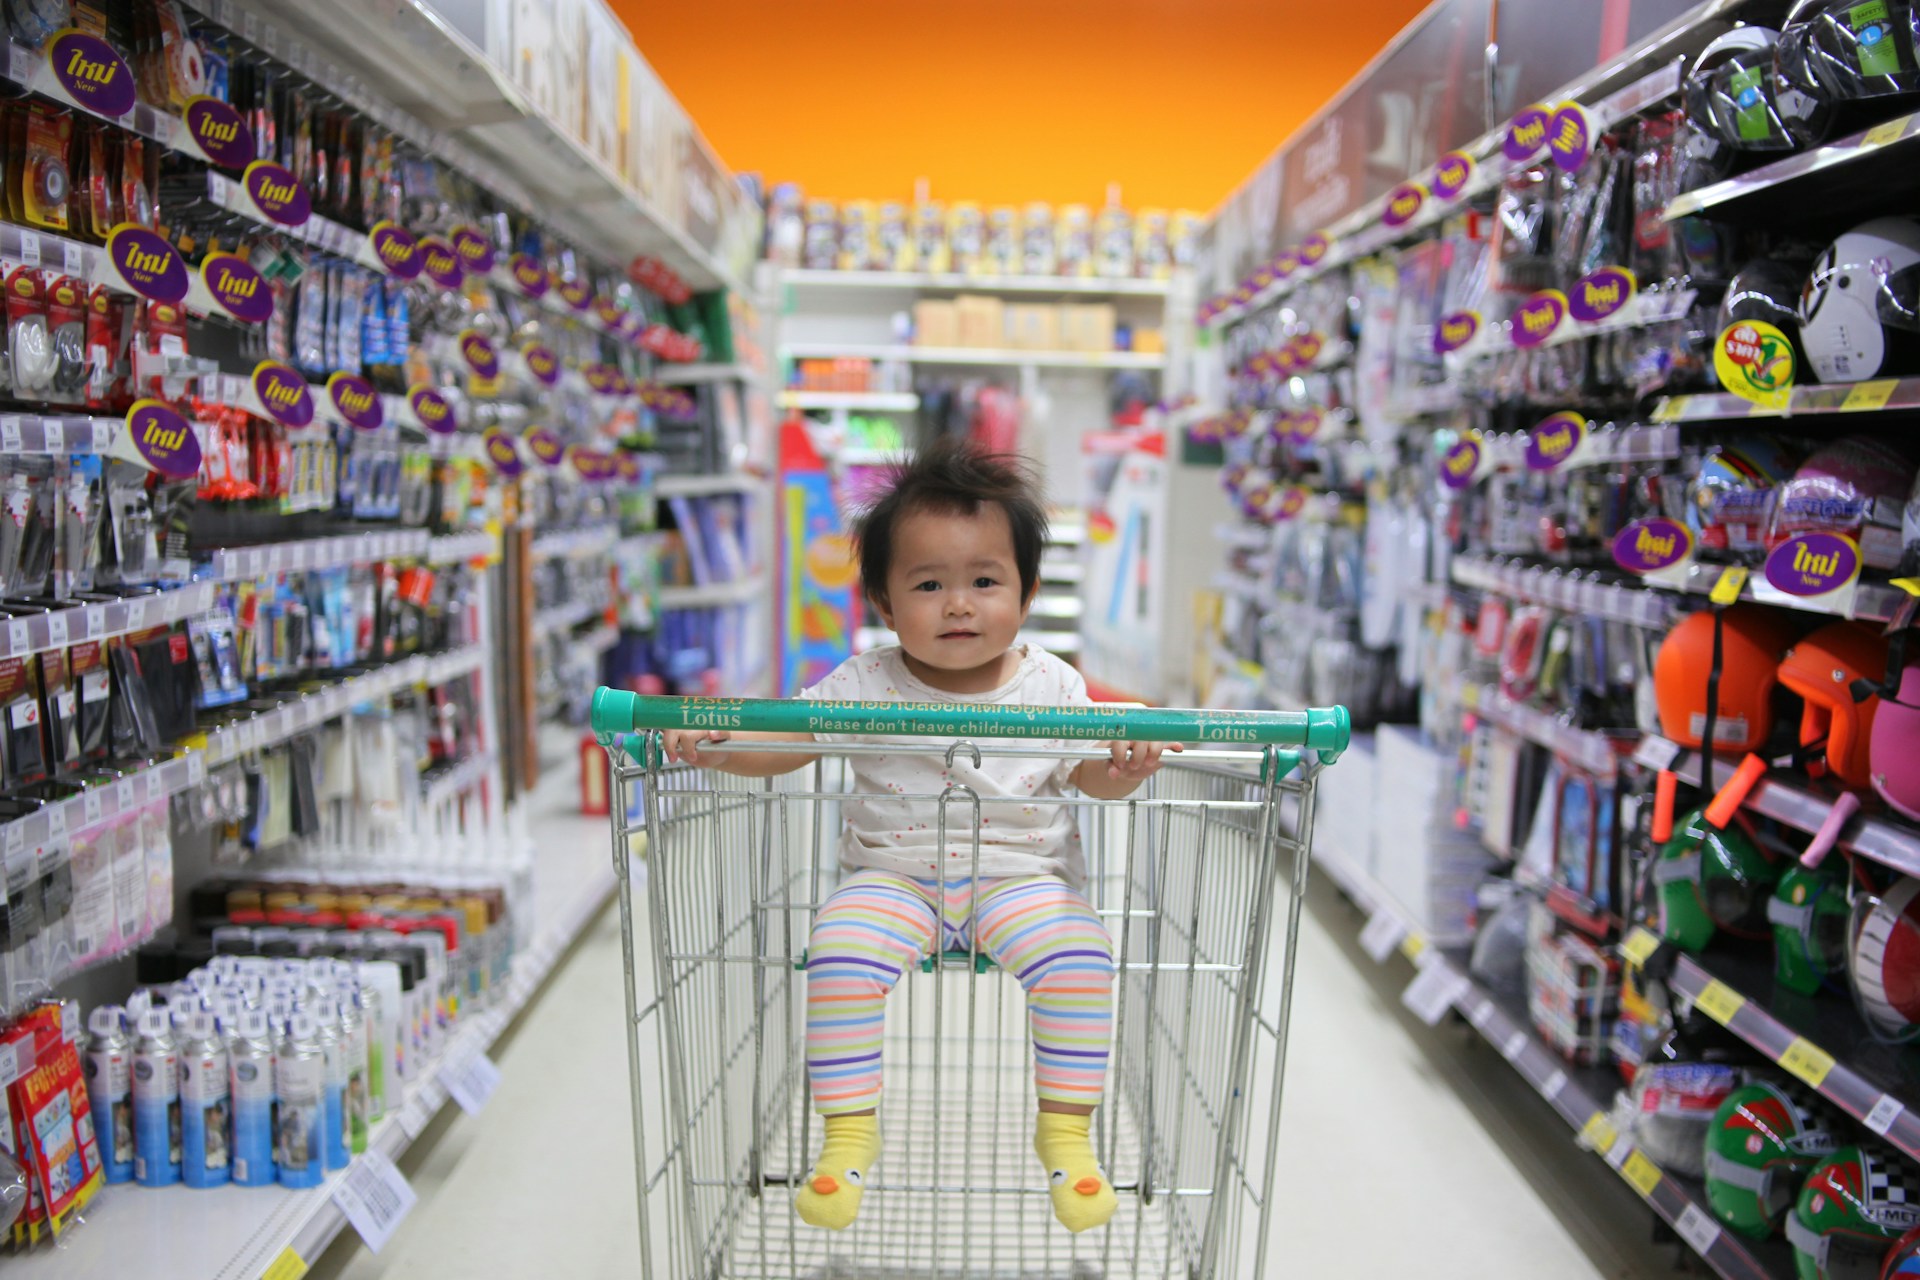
(1086, 326)
(1150, 342)
(983, 321)
(603, 88)
(1033, 326)
(936, 324)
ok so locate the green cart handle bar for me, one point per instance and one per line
(1322, 729)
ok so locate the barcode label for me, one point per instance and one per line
(375, 1196)
(1382, 934)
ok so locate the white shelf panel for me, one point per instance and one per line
(564, 617)
(453, 548)
(235, 564)
(871, 401)
(915, 281)
(977, 355)
(590, 540)
(702, 486)
(686, 375)
(711, 596)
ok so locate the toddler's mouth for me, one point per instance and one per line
(958, 635)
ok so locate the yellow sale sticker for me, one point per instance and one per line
(1638, 945)
(1643, 1173)
(1598, 1132)
(288, 1266)
(1808, 1061)
(1719, 1002)
(1867, 396)
(1726, 588)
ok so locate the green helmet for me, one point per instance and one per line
(1762, 1141)
(1855, 1204)
(1708, 879)
(1808, 911)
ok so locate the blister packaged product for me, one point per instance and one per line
(85, 501)
(23, 747)
(134, 731)
(62, 712)
(93, 685)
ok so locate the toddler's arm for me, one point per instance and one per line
(684, 744)
(1129, 765)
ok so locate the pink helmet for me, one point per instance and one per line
(1894, 762)
(1856, 486)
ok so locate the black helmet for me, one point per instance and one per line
(1842, 50)
(1737, 101)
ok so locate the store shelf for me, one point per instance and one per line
(1580, 1096)
(234, 738)
(453, 548)
(563, 618)
(1572, 590)
(235, 564)
(1606, 446)
(243, 1233)
(1820, 1040)
(1243, 537)
(917, 281)
(1061, 569)
(704, 486)
(1598, 753)
(976, 356)
(686, 375)
(1828, 187)
(416, 59)
(1057, 607)
(1881, 836)
(1887, 395)
(856, 401)
(711, 596)
(574, 544)
(598, 640)
(32, 433)
(448, 784)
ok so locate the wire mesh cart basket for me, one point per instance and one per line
(1198, 877)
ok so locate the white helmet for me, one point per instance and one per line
(1858, 317)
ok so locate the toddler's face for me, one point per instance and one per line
(953, 591)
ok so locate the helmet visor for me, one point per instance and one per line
(1854, 48)
(1734, 101)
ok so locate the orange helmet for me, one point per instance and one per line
(1753, 642)
(1822, 669)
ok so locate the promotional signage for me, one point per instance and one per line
(1755, 362)
(1451, 174)
(218, 132)
(395, 249)
(277, 194)
(475, 250)
(501, 452)
(528, 275)
(1601, 294)
(236, 288)
(356, 401)
(91, 72)
(1655, 546)
(1313, 249)
(1461, 465)
(1526, 133)
(600, 378)
(542, 363)
(441, 263)
(545, 446)
(1556, 441)
(283, 393)
(1403, 204)
(159, 439)
(147, 264)
(1455, 331)
(434, 411)
(1536, 319)
(1822, 568)
(1569, 136)
(479, 354)
(577, 294)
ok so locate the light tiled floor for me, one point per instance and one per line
(1406, 1151)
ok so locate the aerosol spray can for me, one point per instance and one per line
(355, 1038)
(109, 1068)
(250, 1071)
(156, 1102)
(335, 1145)
(299, 1077)
(206, 1103)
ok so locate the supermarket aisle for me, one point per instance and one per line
(1390, 1145)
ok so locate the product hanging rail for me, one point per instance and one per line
(1883, 395)
(1831, 184)
(1011, 357)
(802, 279)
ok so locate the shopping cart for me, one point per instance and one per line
(1186, 875)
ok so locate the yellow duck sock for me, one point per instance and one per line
(1082, 1196)
(831, 1197)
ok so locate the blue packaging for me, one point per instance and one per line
(108, 1067)
(206, 1143)
(299, 1072)
(156, 1103)
(250, 1076)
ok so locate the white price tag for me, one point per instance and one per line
(57, 628)
(136, 613)
(18, 639)
(1515, 1046)
(10, 434)
(1481, 1015)
(1434, 991)
(96, 615)
(1382, 934)
(375, 1197)
(1698, 1229)
(73, 259)
(1884, 1113)
(413, 1119)
(156, 785)
(54, 433)
(30, 248)
(70, 1021)
(196, 770)
(124, 797)
(90, 802)
(56, 821)
(471, 1081)
(9, 1064)
(1550, 1087)
(1656, 752)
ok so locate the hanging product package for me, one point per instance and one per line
(23, 752)
(29, 524)
(87, 667)
(62, 712)
(134, 730)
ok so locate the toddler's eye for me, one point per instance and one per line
(853, 1176)
(982, 583)
(928, 586)
(1059, 1176)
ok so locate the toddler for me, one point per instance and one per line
(950, 556)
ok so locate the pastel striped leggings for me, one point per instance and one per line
(877, 925)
